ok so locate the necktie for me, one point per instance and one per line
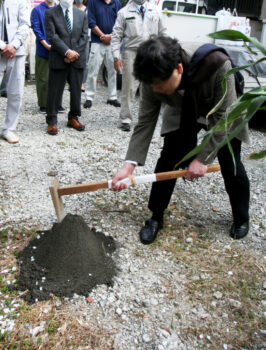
(142, 10)
(68, 21)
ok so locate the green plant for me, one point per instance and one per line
(244, 107)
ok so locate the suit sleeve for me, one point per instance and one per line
(149, 110)
(57, 44)
(84, 36)
(207, 155)
(24, 25)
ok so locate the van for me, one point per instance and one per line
(189, 6)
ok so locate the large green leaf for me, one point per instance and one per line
(244, 107)
(258, 155)
(249, 106)
(235, 36)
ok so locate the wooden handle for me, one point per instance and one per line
(82, 188)
(181, 173)
(73, 189)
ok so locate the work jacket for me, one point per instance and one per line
(17, 24)
(131, 29)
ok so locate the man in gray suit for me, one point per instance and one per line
(188, 80)
(67, 31)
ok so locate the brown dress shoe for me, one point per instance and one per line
(52, 129)
(75, 124)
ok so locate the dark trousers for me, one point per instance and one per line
(236, 180)
(57, 81)
(41, 78)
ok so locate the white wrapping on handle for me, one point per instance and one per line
(142, 179)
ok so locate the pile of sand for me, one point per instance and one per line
(68, 259)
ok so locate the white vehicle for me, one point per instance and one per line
(189, 6)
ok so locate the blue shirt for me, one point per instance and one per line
(103, 16)
(37, 25)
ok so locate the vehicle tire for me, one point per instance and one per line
(118, 79)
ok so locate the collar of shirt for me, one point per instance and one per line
(70, 13)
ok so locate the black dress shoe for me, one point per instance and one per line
(238, 232)
(114, 103)
(149, 232)
(87, 104)
(125, 127)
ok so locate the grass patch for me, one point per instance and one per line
(60, 330)
(235, 314)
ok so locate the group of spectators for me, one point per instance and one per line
(64, 54)
(186, 80)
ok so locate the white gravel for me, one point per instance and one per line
(27, 170)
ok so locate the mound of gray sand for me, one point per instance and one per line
(68, 259)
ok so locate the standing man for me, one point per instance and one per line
(135, 23)
(14, 24)
(42, 53)
(67, 31)
(188, 81)
(102, 15)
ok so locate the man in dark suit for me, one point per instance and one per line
(67, 30)
(188, 80)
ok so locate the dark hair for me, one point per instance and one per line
(157, 58)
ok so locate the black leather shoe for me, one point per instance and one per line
(114, 103)
(125, 127)
(240, 231)
(87, 104)
(149, 232)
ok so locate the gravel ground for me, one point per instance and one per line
(141, 286)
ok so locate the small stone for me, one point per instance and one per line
(154, 302)
(263, 333)
(37, 330)
(189, 240)
(235, 303)
(218, 295)
(52, 173)
(118, 311)
(146, 338)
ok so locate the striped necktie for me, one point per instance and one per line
(68, 21)
(142, 10)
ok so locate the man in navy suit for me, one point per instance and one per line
(67, 31)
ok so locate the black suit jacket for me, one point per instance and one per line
(61, 40)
